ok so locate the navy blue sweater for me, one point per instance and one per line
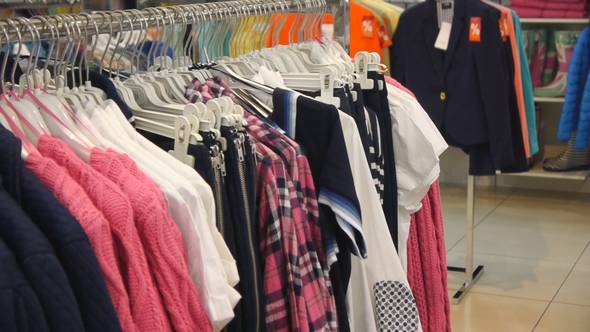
(40, 266)
(65, 235)
(19, 305)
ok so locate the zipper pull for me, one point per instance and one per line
(215, 161)
(222, 164)
(240, 151)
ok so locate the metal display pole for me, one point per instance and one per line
(471, 274)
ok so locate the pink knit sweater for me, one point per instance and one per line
(427, 264)
(162, 240)
(146, 306)
(69, 193)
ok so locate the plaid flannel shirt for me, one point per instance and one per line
(281, 309)
(314, 302)
(300, 173)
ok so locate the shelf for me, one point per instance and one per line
(538, 172)
(554, 21)
(549, 100)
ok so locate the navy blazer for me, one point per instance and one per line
(465, 89)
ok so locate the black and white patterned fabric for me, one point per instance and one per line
(376, 160)
(444, 11)
(395, 307)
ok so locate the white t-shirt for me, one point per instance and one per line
(417, 144)
(378, 288)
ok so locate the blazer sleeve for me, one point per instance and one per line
(493, 80)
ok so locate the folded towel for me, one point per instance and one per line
(548, 13)
(540, 4)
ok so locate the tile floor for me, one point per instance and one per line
(536, 250)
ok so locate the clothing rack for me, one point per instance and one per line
(110, 22)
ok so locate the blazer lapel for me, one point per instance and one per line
(456, 32)
(430, 33)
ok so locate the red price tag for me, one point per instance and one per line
(475, 30)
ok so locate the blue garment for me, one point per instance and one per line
(40, 266)
(65, 235)
(158, 50)
(106, 84)
(527, 87)
(583, 136)
(19, 305)
(574, 116)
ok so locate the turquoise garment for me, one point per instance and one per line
(527, 87)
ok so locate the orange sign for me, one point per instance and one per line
(475, 30)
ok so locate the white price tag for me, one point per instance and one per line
(442, 41)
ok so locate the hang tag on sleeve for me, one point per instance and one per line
(442, 41)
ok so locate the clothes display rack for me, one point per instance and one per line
(128, 20)
(179, 97)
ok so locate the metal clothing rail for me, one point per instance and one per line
(46, 27)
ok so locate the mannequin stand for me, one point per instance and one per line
(471, 274)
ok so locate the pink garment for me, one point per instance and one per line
(69, 193)
(531, 12)
(416, 274)
(146, 306)
(161, 238)
(439, 226)
(392, 81)
(540, 4)
(427, 264)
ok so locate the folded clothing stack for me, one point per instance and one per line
(551, 8)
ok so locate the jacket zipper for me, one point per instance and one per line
(218, 165)
(242, 175)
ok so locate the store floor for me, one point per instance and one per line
(536, 250)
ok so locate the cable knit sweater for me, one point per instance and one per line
(162, 240)
(427, 264)
(74, 198)
(146, 306)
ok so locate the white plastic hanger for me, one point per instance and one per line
(327, 88)
(361, 62)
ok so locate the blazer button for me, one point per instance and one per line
(443, 96)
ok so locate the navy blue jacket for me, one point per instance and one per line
(464, 89)
(65, 235)
(19, 306)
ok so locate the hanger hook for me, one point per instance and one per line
(89, 18)
(54, 39)
(77, 37)
(70, 46)
(110, 25)
(34, 50)
(19, 41)
(144, 25)
(120, 37)
(5, 59)
(135, 17)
